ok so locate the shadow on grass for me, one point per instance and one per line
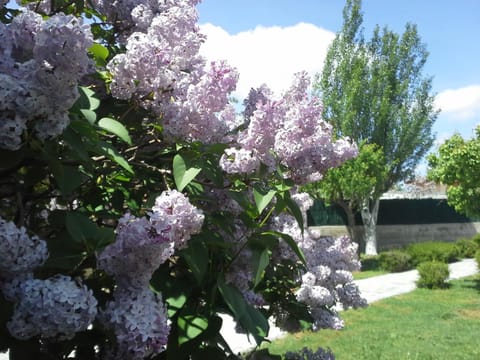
(472, 283)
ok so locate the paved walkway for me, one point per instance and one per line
(383, 286)
(372, 289)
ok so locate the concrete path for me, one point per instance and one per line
(383, 286)
(372, 289)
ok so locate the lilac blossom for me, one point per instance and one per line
(174, 213)
(137, 252)
(290, 131)
(143, 244)
(327, 281)
(235, 161)
(163, 71)
(307, 354)
(136, 315)
(42, 61)
(56, 308)
(139, 321)
(19, 252)
(43, 6)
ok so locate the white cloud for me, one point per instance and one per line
(268, 55)
(460, 104)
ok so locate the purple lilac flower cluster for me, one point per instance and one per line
(41, 62)
(136, 315)
(328, 280)
(19, 252)
(139, 320)
(308, 354)
(163, 71)
(290, 131)
(57, 307)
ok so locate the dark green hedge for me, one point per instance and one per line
(392, 212)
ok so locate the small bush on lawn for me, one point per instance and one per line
(433, 251)
(370, 262)
(395, 261)
(476, 239)
(477, 258)
(466, 248)
(433, 275)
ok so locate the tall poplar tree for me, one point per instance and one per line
(375, 92)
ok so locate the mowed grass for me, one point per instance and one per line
(358, 275)
(424, 324)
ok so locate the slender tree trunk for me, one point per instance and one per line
(369, 217)
(350, 220)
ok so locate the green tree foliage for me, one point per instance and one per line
(354, 182)
(374, 91)
(457, 165)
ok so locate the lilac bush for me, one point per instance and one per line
(156, 205)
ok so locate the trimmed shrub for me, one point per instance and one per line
(370, 262)
(433, 275)
(466, 248)
(476, 239)
(395, 261)
(477, 258)
(433, 251)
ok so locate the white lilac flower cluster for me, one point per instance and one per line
(57, 307)
(136, 315)
(289, 130)
(41, 62)
(328, 281)
(163, 71)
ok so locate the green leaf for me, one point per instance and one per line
(190, 326)
(175, 303)
(196, 256)
(295, 210)
(10, 159)
(86, 104)
(115, 127)
(113, 154)
(67, 177)
(183, 175)
(289, 240)
(262, 198)
(261, 259)
(76, 144)
(80, 227)
(103, 237)
(251, 319)
(99, 53)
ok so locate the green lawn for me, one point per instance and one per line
(358, 275)
(424, 324)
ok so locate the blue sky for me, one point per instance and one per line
(269, 40)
